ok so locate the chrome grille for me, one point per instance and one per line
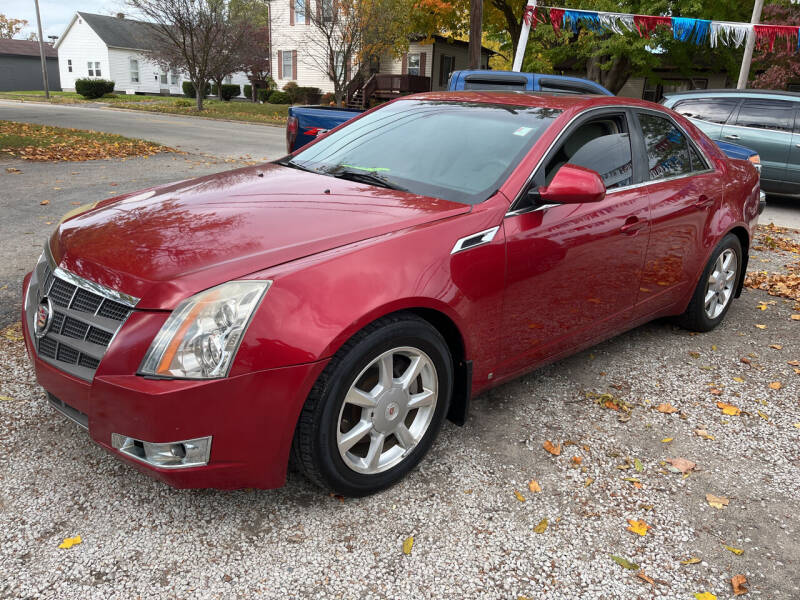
(86, 316)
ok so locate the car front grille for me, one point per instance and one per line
(86, 316)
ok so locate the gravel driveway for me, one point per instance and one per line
(472, 536)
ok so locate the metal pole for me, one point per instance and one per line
(523, 40)
(475, 33)
(744, 72)
(41, 52)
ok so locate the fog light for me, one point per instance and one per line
(185, 453)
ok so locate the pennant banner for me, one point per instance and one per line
(767, 34)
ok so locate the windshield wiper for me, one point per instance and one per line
(365, 177)
(293, 165)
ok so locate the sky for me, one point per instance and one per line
(56, 15)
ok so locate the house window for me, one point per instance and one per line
(327, 11)
(339, 65)
(173, 77)
(300, 12)
(286, 64)
(164, 79)
(69, 65)
(228, 80)
(413, 64)
(93, 68)
(446, 66)
(134, 71)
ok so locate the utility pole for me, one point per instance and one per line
(523, 37)
(475, 33)
(41, 52)
(744, 72)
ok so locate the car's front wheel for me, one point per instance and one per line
(717, 286)
(376, 409)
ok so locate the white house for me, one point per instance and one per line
(116, 48)
(297, 56)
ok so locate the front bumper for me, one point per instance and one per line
(251, 417)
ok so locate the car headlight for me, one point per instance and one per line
(201, 336)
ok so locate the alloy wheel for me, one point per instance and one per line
(721, 282)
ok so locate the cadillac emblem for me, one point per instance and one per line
(43, 317)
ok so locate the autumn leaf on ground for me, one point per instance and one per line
(12, 170)
(577, 459)
(666, 408)
(519, 496)
(775, 385)
(589, 481)
(762, 306)
(70, 542)
(534, 486)
(408, 544)
(666, 440)
(761, 326)
(704, 434)
(795, 317)
(681, 464)
(736, 551)
(692, 560)
(625, 563)
(737, 583)
(776, 346)
(705, 596)
(541, 527)
(738, 380)
(637, 464)
(554, 450)
(638, 527)
(44, 202)
(717, 501)
(650, 580)
(728, 409)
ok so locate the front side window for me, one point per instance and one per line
(713, 110)
(300, 12)
(134, 71)
(775, 115)
(287, 64)
(667, 148)
(377, 146)
(413, 64)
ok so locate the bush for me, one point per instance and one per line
(279, 98)
(308, 95)
(291, 91)
(248, 91)
(270, 83)
(189, 91)
(327, 98)
(229, 90)
(93, 88)
(263, 95)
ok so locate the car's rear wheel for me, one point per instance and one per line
(376, 409)
(717, 286)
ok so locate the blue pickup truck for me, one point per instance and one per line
(305, 123)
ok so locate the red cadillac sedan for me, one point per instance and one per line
(334, 307)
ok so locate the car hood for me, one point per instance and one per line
(164, 244)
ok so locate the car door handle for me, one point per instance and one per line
(731, 136)
(632, 225)
(704, 201)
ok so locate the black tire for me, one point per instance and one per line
(695, 317)
(314, 447)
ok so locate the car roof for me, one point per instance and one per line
(718, 93)
(563, 101)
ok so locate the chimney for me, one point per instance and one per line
(120, 15)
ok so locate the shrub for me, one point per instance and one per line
(263, 95)
(291, 90)
(279, 98)
(248, 91)
(327, 98)
(230, 90)
(308, 95)
(189, 91)
(93, 88)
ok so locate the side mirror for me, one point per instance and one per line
(573, 185)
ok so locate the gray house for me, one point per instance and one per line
(21, 67)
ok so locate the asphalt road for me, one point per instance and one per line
(784, 212)
(247, 141)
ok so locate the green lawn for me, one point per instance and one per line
(274, 114)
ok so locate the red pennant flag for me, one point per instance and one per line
(646, 24)
(767, 34)
(556, 18)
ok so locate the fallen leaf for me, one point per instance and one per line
(534, 486)
(12, 170)
(776, 346)
(763, 415)
(795, 317)
(793, 363)
(728, 409)
(692, 560)
(649, 580)
(797, 425)
(625, 563)
(519, 496)
(75, 203)
(717, 501)
(736, 551)
(667, 440)
(714, 347)
(408, 544)
(554, 450)
(745, 360)
(70, 542)
(589, 481)
(577, 459)
(638, 527)
(738, 379)
(705, 596)
(715, 391)
(694, 354)
(775, 385)
(737, 583)
(5, 398)
(761, 326)
(44, 202)
(540, 528)
(637, 464)
(704, 434)
(666, 408)
(681, 464)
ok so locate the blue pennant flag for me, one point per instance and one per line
(690, 30)
(589, 19)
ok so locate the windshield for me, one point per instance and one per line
(452, 150)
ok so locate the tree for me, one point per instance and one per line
(779, 67)
(10, 27)
(256, 63)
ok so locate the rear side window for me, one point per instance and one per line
(712, 110)
(482, 82)
(569, 87)
(775, 115)
(667, 148)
